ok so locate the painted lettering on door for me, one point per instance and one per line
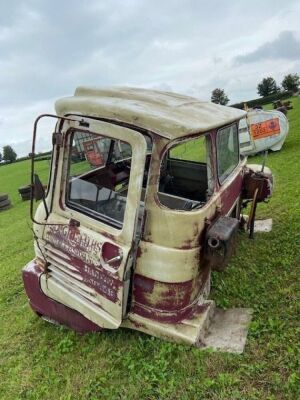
(74, 243)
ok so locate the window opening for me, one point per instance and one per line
(185, 177)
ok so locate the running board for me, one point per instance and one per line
(221, 330)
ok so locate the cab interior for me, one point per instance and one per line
(102, 190)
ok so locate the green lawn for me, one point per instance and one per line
(41, 361)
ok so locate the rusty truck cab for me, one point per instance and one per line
(132, 242)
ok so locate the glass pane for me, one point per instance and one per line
(99, 173)
(227, 151)
(121, 151)
(88, 151)
(193, 150)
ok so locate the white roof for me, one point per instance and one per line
(168, 114)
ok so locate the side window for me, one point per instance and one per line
(185, 176)
(227, 151)
(98, 177)
(193, 150)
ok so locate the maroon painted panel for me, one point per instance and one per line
(170, 317)
(171, 296)
(231, 193)
(47, 307)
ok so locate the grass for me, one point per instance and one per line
(41, 361)
(193, 150)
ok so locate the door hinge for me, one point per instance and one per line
(57, 139)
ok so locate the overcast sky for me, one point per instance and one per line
(47, 48)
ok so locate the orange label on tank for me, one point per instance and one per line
(264, 129)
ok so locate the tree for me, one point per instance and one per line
(267, 86)
(218, 96)
(291, 82)
(9, 154)
(0, 157)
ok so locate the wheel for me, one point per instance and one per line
(3, 196)
(4, 203)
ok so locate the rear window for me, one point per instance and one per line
(227, 151)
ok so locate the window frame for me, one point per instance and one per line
(208, 139)
(219, 131)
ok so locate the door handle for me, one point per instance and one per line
(115, 252)
(114, 259)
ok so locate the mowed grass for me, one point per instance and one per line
(42, 361)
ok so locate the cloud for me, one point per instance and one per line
(286, 46)
(47, 49)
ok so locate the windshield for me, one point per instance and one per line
(99, 172)
(98, 176)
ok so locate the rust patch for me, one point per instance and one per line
(61, 203)
(143, 284)
(73, 242)
(170, 317)
(44, 306)
(190, 243)
(231, 193)
(257, 180)
(163, 295)
(96, 278)
(141, 251)
(138, 325)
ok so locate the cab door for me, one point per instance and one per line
(96, 212)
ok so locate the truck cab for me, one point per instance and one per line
(130, 240)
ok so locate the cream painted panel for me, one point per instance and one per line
(58, 292)
(167, 265)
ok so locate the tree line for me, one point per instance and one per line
(9, 155)
(266, 87)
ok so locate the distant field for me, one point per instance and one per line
(42, 361)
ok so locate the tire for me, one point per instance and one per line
(5, 203)
(26, 196)
(24, 189)
(3, 196)
(5, 208)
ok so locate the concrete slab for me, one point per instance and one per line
(264, 225)
(261, 225)
(228, 330)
